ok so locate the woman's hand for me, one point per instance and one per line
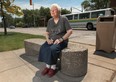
(57, 41)
(50, 41)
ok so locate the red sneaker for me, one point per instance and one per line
(51, 73)
(45, 71)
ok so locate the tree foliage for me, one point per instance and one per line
(95, 4)
(9, 7)
(65, 11)
(39, 16)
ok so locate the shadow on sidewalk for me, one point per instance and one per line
(111, 55)
(59, 77)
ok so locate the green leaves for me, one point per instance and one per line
(95, 4)
(9, 7)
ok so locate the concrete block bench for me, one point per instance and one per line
(73, 59)
(32, 46)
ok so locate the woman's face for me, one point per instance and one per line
(54, 12)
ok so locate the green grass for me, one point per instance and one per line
(14, 40)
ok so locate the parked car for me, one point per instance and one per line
(12, 27)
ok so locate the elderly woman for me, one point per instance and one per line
(57, 33)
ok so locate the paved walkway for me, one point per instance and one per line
(15, 66)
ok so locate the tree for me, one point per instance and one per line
(28, 17)
(100, 4)
(18, 22)
(65, 11)
(38, 16)
(85, 4)
(9, 20)
(95, 4)
(7, 6)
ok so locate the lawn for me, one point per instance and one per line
(14, 40)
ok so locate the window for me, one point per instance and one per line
(112, 12)
(76, 16)
(70, 17)
(84, 15)
(94, 15)
(101, 13)
(97, 13)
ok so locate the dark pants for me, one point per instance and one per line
(49, 53)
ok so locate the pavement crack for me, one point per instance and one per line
(12, 68)
(82, 43)
(101, 66)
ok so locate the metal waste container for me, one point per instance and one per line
(106, 33)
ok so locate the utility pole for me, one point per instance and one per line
(3, 17)
(31, 3)
(33, 16)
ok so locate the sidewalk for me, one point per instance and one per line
(15, 66)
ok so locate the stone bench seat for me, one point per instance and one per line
(73, 59)
(32, 46)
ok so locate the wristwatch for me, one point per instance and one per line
(61, 39)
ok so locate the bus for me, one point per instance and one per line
(88, 19)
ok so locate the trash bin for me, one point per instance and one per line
(106, 33)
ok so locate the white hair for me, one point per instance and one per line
(57, 6)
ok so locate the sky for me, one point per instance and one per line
(65, 4)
